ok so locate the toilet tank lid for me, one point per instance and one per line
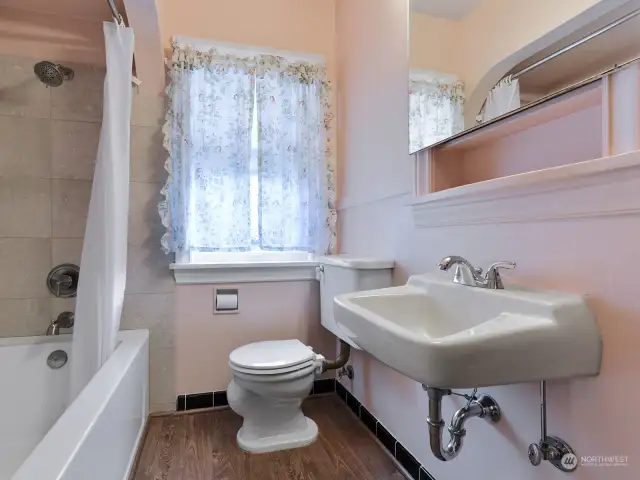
(358, 263)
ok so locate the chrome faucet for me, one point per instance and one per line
(64, 320)
(467, 274)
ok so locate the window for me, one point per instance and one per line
(250, 177)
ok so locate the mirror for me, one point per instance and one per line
(438, 86)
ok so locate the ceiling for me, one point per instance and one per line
(453, 9)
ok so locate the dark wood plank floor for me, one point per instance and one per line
(202, 446)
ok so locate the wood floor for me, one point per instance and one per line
(202, 446)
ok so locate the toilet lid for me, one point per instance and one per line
(271, 355)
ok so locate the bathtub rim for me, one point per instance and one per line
(37, 340)
(60, 444)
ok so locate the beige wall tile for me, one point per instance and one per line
(23, 317)
(27, 262)
(69, 206)
(66, 250)
(80, 98)
(25, 207)
(59, 305)
(148, 270)
(147, 155)
(153, 312)
(74, 146)
(145, 225)
(148, 110)
(162, 375)
(22, 93)
(24, 147)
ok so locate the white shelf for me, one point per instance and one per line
(605, 186)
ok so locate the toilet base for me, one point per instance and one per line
(284, 441)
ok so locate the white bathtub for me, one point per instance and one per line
(96, 437)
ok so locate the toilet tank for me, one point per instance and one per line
(345, 274)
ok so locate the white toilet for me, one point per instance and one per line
(272, 378)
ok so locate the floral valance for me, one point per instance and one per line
(187, 57)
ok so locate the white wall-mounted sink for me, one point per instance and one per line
(447, 335)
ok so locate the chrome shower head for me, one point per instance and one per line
(52, 74)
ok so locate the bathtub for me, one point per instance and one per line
(42, 437)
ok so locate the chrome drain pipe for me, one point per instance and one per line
(482, 407)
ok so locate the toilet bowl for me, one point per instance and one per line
(270, 381)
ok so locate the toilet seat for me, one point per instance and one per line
(275, 357)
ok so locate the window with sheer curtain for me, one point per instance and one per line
(436, 104)
(250, 173)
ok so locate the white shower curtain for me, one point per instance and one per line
(503, 98)
(103, 267)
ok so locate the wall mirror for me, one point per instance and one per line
(439, 86)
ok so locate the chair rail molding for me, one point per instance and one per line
(600, 187)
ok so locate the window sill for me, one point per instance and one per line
(243, 272)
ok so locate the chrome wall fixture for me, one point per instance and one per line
(62, 280)
(553, 449)
(482, 406)
(64, 320)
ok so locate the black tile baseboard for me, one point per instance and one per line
(320, 387)
(196, 401)
(395, 448)
(220, 399)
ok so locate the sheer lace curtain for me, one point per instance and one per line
(214, 195)
(436, 108)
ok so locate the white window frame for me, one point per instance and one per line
(243, 267)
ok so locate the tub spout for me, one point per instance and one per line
(64, 320)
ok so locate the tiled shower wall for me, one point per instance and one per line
(48, 143)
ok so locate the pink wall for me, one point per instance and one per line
(588, 255)
(268, 311)
(575, 138)
(49, 36)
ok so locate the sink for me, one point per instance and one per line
(446, 335)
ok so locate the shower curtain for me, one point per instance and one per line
(503, 98)
(103, 265)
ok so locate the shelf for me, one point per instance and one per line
(604, 186)
(564, 130)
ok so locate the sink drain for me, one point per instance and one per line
(57, 359)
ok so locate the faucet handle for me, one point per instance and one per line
(494, 280)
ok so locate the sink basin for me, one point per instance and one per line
(446, 335)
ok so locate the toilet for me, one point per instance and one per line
(270, 379)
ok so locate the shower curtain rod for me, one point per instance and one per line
(114, 11)
(577, 43)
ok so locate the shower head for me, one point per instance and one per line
(52, 74)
